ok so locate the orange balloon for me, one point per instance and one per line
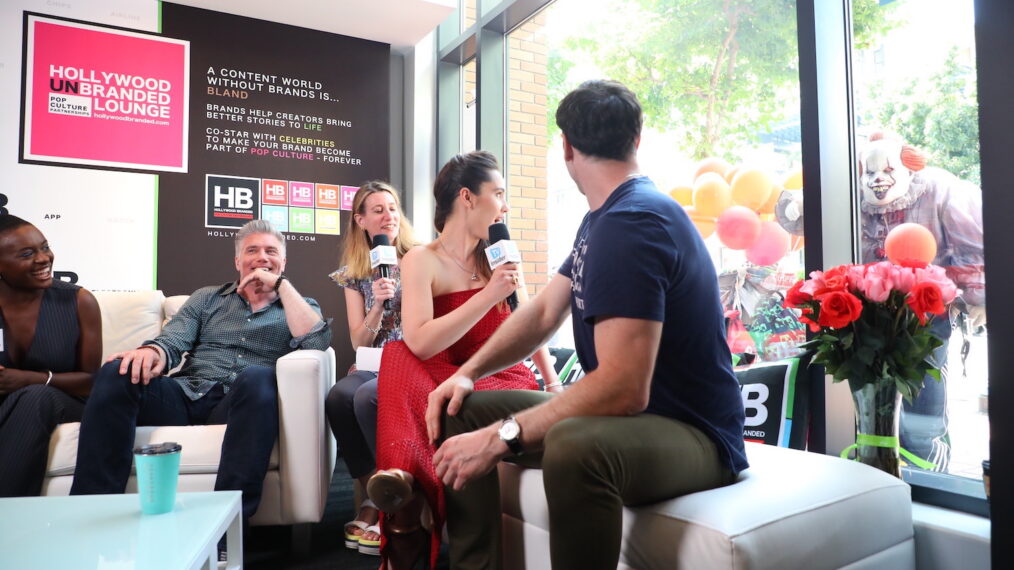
(769, 206)
(731, 174)
(682, 194)
(711, 195)
(712, 164)
(738, 227)
(911, 245)
(704, 224)
(793, 180)
(751, 188)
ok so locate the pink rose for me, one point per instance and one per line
(904, 278)
(855, 275)
(876, 288)
(813, 284)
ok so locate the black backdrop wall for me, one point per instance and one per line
(285, 123)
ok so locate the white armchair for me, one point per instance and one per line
(299, 473)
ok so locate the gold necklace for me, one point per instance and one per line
(462, 267)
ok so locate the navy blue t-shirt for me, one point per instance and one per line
(639, 256)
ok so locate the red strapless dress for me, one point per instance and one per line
(403, 386)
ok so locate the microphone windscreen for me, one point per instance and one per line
(381, 239)
(499, 232)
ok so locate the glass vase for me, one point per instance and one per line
(878, 411)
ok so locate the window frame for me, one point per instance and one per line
(829, 152)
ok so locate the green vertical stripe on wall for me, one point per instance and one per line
(154, 235)
(158, 26)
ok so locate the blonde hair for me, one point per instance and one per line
(356, 255)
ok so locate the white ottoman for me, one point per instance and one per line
(791, 509)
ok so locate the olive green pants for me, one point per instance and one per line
(591, 468)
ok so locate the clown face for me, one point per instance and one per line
(883, 178)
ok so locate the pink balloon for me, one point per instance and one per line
(772, 244)
(738, 227)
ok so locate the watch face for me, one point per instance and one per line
(509, 430)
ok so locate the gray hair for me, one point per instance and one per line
(258, 227)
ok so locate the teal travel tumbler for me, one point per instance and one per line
(158, 468)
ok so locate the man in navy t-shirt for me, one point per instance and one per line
(659, 413)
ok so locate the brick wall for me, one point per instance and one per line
(526, 147)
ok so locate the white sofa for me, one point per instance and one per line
(791, 509)
(299, 474)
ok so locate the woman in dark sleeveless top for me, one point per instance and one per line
(50, 345)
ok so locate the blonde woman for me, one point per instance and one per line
(351, 405)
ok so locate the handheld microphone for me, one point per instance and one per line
(383, 255)
(503, 250)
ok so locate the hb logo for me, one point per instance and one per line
(230, 201)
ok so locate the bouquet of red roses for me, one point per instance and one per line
(872, 322)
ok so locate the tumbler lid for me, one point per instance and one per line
(158, 448)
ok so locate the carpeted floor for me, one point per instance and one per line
(269, 548)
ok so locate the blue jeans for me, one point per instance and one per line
(923, 427)
(116, 407)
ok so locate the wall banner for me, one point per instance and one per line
(103, 97)
(286, 123)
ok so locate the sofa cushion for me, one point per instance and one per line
(128, 318)
(789, 510)
(202, 447)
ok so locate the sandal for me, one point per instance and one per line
(368, 546)
(352, 538)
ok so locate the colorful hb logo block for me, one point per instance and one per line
(301, 194)
(327, 196)
(301, 220)
(275, 192)
(277, 215)
(230, 201)
(328, 222)
(348, 193)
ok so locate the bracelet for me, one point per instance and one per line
(49, 377)
(372, 330)
(554, 384)
(278, 283)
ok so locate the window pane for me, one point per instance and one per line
(718, 82)
(470, 108)
(914, 88)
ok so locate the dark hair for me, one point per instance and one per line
(601, 118)
(10, 222)
(468, 170)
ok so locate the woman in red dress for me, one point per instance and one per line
(451, 304)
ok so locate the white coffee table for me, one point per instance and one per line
(108, 532)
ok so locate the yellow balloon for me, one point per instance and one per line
(751, 188)
(711, 195)
(794, 180)
(712, 164)
(769, 206)
(704, 224)
(682, 194)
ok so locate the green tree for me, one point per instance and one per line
(939, 115)
(718, 72)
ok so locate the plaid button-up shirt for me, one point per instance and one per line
(221, 336)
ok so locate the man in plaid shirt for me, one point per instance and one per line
(232, 335)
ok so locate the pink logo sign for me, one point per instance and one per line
(301, 194)
(104, 97)
(348, 193)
